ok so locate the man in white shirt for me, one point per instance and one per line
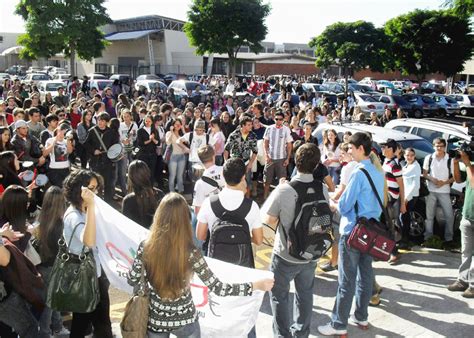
(278, 145)
(230, 109)
(212, 180)
(194, 140)
(438, 170)
(231, 197)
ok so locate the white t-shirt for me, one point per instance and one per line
(123, 130)
(59, 158)
(230, 199)
(218, 142)
(438, 170)
(346, 172)
(202, 190)
(198, 141)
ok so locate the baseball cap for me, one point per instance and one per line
(390, 143)
(20, 124)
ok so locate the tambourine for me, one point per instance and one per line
(41, 180)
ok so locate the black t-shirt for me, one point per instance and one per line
(320, 172)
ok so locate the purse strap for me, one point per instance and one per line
(100, 139)
(372, 185)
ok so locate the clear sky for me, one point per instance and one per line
(289, 21)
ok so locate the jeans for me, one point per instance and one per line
(444, 200)
(466, 269)
(49, 318)
(406, 218)
(99, 318)
(56, 176)
(15, 312)
(192, 330)
(355, 277)
(303, 275)
(121, 169)
(176, 168)
(219, 160)
(335, 173)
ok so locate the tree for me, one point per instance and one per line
(351, 45)
(426, 42)
(62, 26)
(217, 26)
(461, 7)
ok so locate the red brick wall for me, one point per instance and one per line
(285, 68)
(392, 75)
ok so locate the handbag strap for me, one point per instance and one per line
(100, 139)
(372, 185)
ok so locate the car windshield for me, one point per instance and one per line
(154, 85)
(471, 98)
(450, 99)
(53, 87)
(422, 147)
(427, 99)
(193, 85)
(400, 100)
(367, 98)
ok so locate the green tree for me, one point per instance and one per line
(62, 26)
(424, 42)
(217, 26)
(461, 7)
(350, 45)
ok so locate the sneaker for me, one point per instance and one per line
(458, 285)
(328, 330)
(377, 288)
(393, 259)
(375, 300)
(328, 267)
(62, 332)
(469, 293)
(363, 324)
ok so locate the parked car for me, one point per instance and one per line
(393, 102)
(311, 87)
(429, 129)
(334, 87)
(34, 78)
(429, 88)
(427, 104)
(4, 76)
(181, 87)
(100, 84)
(168, 78)
(150, 85)
(149, 77)
(62, 77)
(382, 84)
(368, 104)
(447, 104)
(367, 81)
(45, 87)
(124, 78)
(16, 70)
(56, 70)
(466, 103)
(96, 76)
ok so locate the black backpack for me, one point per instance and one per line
(230, 239)
(310, 235)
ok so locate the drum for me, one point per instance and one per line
(116, 152)
(27, 175)
(41, 180)
(197, 171)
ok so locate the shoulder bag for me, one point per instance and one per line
(135, 318)
(73, 285)
(370, 235)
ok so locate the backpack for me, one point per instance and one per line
(230, 239)
(310, 235)
(423, 192)
(191, 136)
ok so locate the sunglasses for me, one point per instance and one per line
(279, 119)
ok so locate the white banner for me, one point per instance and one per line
(118, 238)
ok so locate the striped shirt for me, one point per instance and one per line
(393, 170)
(278, 138)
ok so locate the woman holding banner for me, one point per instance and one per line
(168, 259)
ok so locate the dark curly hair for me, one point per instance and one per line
(75, 181)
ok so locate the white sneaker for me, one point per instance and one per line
(363, 324)
(63, 332)
(328, 330)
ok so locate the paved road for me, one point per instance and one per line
(415, 301)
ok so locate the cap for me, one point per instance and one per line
(390, 143)
(199, 124)
(20, 124)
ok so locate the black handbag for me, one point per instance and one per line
(73, 284)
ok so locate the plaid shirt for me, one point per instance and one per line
(238, 147)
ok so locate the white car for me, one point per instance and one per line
(181, 87)
(100, 84)
(45, 87)
(96, 76)
(62, 77)
(368, 104)
(34, 78)
(466, 103)
(4, 76)
(150, 85)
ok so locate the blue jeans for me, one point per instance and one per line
(355, 277)
(176, 167)
(49, 318)
(122, 168)
(444, 201)
(466, 269)
(192, 330)
(303, 275)
(335, 172)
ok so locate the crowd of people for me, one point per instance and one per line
(142, 152)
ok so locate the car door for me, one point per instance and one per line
(428, 134)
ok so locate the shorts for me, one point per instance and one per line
(274, 169)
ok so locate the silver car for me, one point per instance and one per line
(447, 104)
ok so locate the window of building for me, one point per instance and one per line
(1, 38)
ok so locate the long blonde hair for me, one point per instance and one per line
(167, 249)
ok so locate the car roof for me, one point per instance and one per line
(434, 124)
(379, 134)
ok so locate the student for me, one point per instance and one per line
(172, 310)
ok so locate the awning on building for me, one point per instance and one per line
(15, 50)
(132, 35)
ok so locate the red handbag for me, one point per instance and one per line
(370, 235)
